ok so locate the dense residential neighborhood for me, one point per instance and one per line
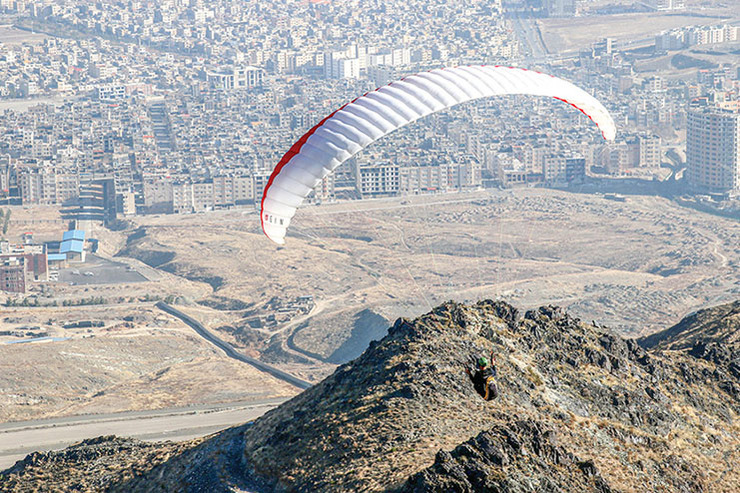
(183, 106)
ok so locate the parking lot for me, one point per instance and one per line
(96, 270)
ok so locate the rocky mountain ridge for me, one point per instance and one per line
(580, 409)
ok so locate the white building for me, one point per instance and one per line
(109, 92)
(649, 151)
(242, 77)
(377, 180)
(346, 68)
(666, 4)
(560, 8)
(424, 179)
(158, 192)
(46, 186)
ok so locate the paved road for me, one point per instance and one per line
(229, 349)
(17, 439)
(529, 35)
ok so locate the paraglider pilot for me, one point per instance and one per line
(483, 377)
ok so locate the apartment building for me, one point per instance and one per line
(377, 180)
(46, 186)
(713, 149)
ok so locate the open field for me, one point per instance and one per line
(571, 35)
(636, 266)
(671, 65)
(623, 263)
(24, 104)
(10, 35)
(160, 363)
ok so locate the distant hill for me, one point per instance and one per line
(717, 325)
(580, 409)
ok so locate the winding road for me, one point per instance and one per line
(229, 349)
(17, 439)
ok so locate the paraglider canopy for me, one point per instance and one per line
(366, 119)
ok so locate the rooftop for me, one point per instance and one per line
(71, 246)
(74, 234)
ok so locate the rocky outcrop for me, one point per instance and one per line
(712, 325)
(96, 464)
(580, 408)
(711, 335)
(514, 456)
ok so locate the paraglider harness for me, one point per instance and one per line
(483, 378)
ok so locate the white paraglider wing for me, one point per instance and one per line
(356, 125)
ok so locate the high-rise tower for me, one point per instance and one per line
(713, 149)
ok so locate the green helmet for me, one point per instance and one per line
(482, 362)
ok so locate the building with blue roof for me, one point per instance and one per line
(56, 261)
(72, 246)
(74, 234)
